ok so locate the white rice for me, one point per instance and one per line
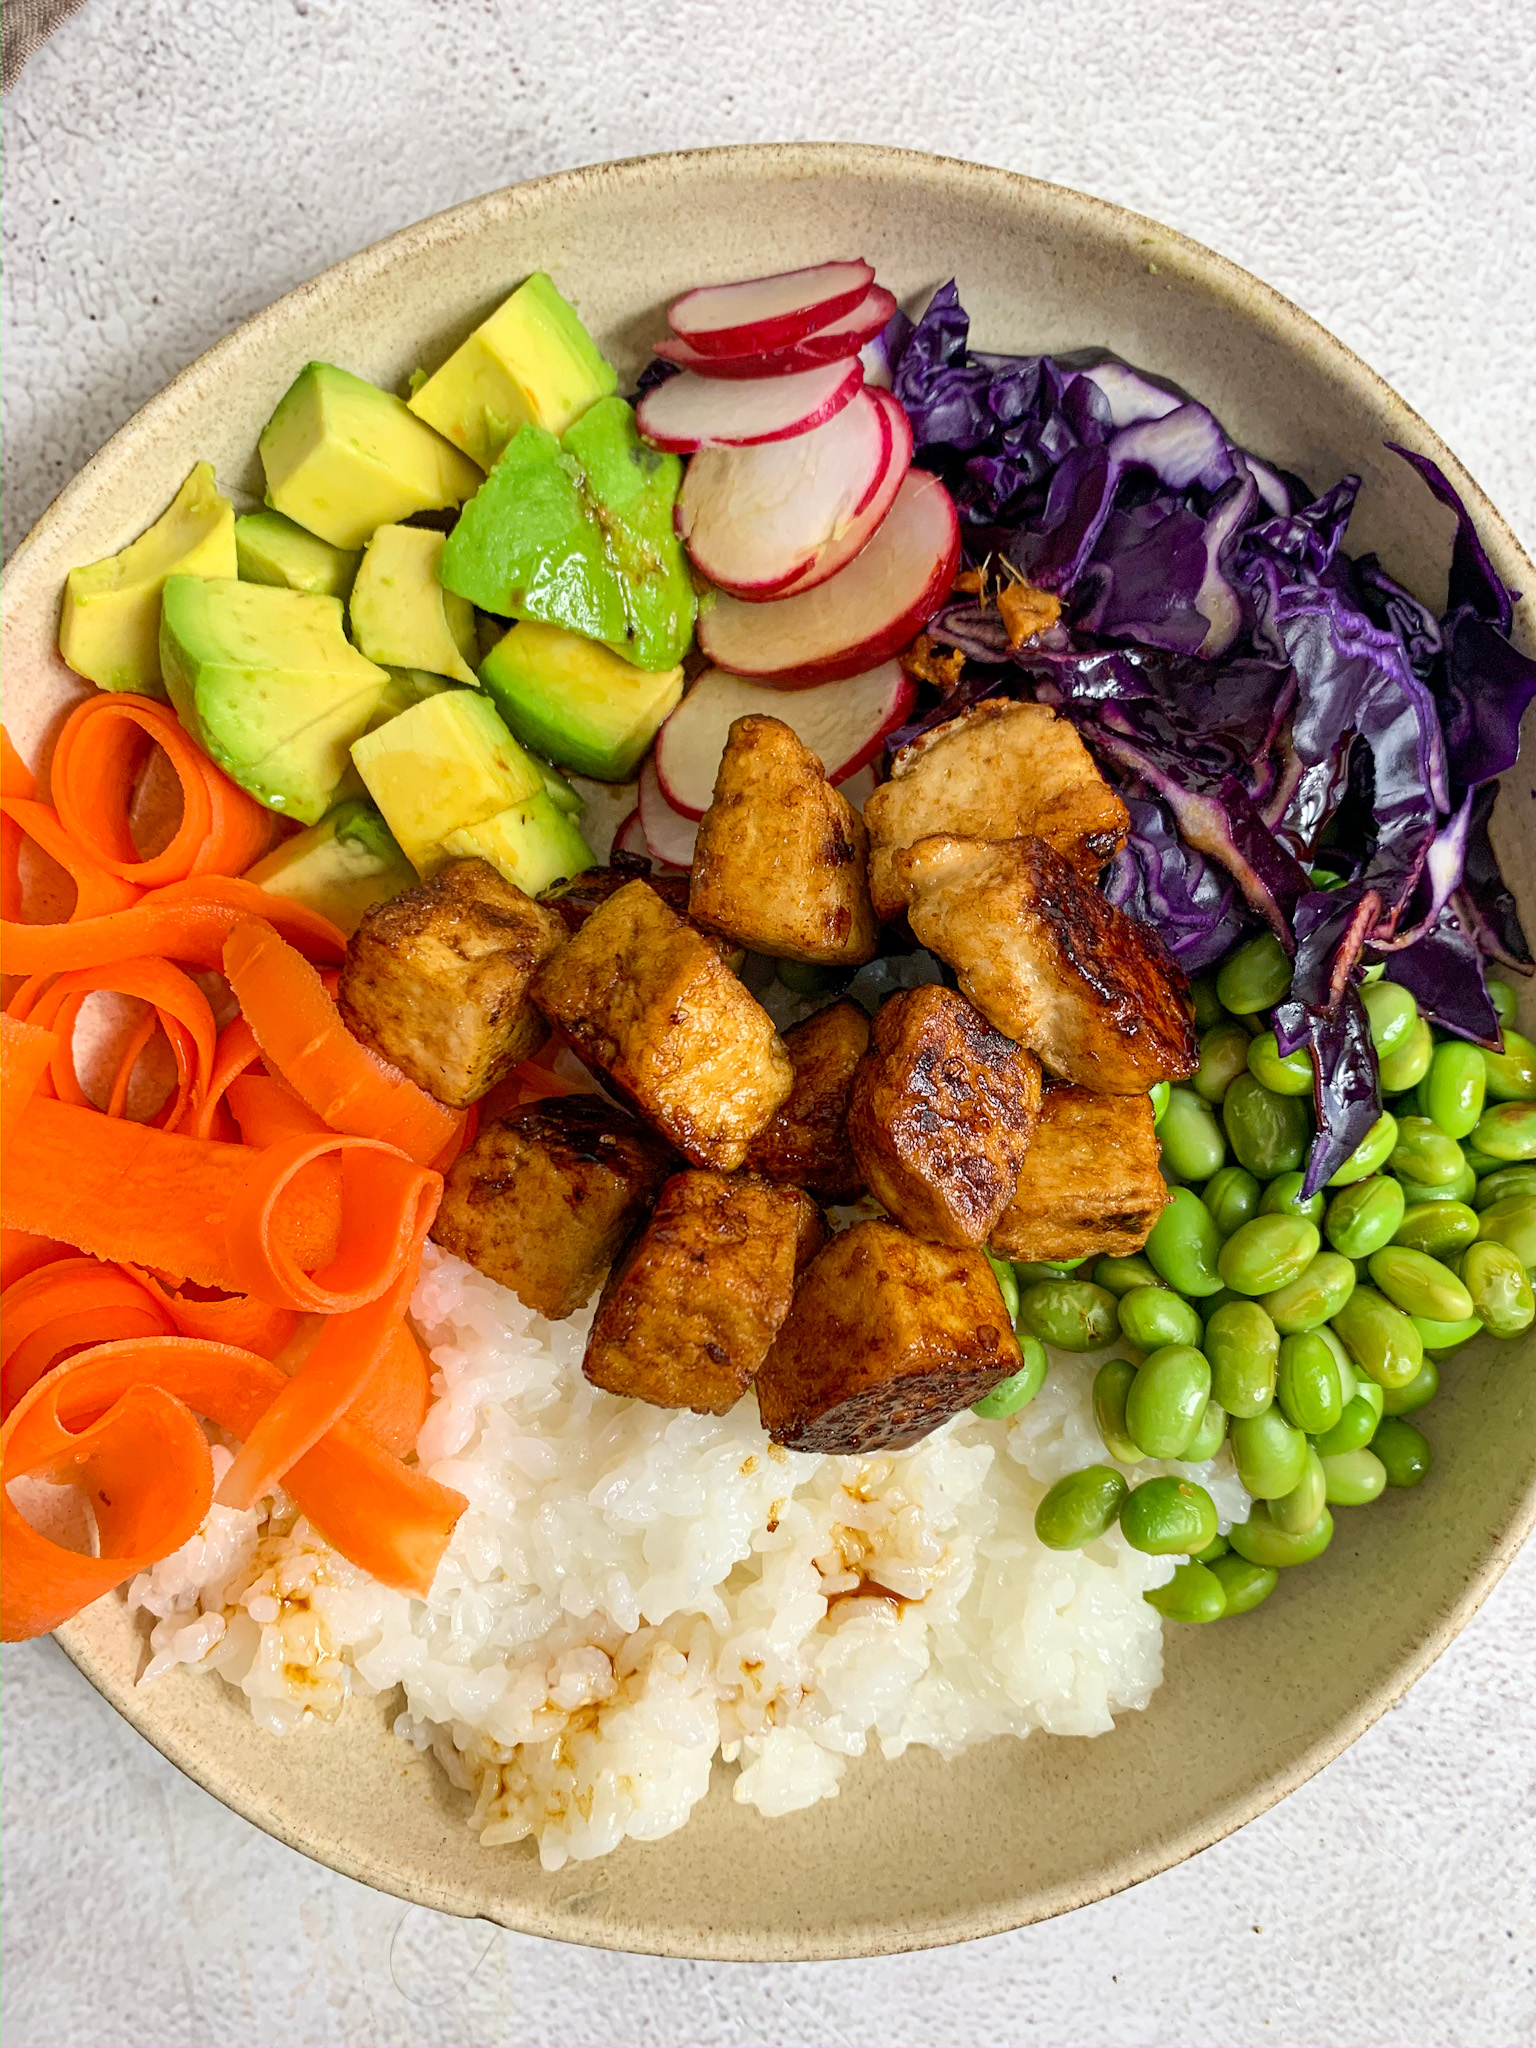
(634, 1590)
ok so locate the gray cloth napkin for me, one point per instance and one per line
(25, 25)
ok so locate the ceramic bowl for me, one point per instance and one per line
(915, 1851)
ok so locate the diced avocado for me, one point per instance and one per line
(268, 684)
(532, 843)
(341, 867)
(561, 793)
(109, 629)
(576, 700)
(446, 764)
(271, 549)
(406, 686)
(532, 361)
(343, 457)
(402, 616)
(579, 533)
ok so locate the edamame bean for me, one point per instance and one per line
(1296, 1512)
(1370, 1155)
(1288, 1074)
(1424, 1156)
(1418, 1393)
(1510, 1075)
(1268, 1253)
(1440, 1338)
(1379, 1338)
(1267, 1132)
(1355, 1479)
(1223, 1056)
(1243, 1347)
(1499, 1289)
(1261, 1542)
(1208, 1010)
(1453, 1089)
(1479, 1163)
(804, 978)
(1503, 998)
(1028, 1271)
(1283, 1197)
(1191, 1138)
(1184, 1245)
(1502, 1185)
(1309, 1390)
(1166, 1516)
(1362, 1218)
(1268, 1452)
(1121, 1275)
(1406, 1066)
(1166, 1400)
(1072, 1315)
(1358, 1424)
(1315, 1296)
(1080, 1508)
(1232, 1196)
(1020, 1388)
(1404, 1452)
(1391, 1013)
(1111, 1384)
(1210, 1434)
(1507, 1131)
(1193, 1594)
(1437, 1228)
(1217, 1547)
(1419, 1285)
(1157, 1095)
(1246, 1585)
(1151, 1317)
(1461, 1189)
(1255, 977)
(1007, 1285)
(1511, 1222)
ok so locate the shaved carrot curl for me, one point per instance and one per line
(302, 1037)
(22, 1253)
(98, 892)
(26, 1054)
(396, 1395)
(177, 1001)
(16, 778)
(186, 921)
(268, 1111)
(236, 1051)
(222, 1318)
(63, 1306)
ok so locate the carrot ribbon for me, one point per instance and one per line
(186, 921)
(179, 1005)
(62, 1307)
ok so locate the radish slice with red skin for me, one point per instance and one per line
(829, 344)
(838, 552)
(688, 412)
(858, 618)
(843, 724)
(762, 313)
(754, 520)
(669, 836)
(630, 837)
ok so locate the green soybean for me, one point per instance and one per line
(1499, 1289)
(1461, 1189)
(1267, 1132)
(1370, 1155)
(1309, 1390)
(1157, 1095)
(1121, 1275)
(1404, 1452)
(1503, 1184)
(1208, 1010)
(1072, 1315)
(1268, 1253)
(1437, 1228)
(1111, 1384)
(1503, 998)
(1314, 1297)
(1511, 1222)
(1020, 1388)
(1454, 1087)
(1405, 1066)
(1210, 1434)
(1232, 1196)
(1080, 1508)
(1296, 1512)
(1166, 1400)
(1379, 1338)
(1283, 1074)
(1028, 1271)
(1184, 1246)
(1007, 1285)
(1358, 1424)
(1268, 1452)
(1151, 1317)
(1507, 1131)
(1246, 1585)
(1243, 1347)
(1391, 1013)
(1418, 1393)
(1261, 1542)
(1423, 1155)
(1439, 1338)
(1419, 1285)
(1223, 1056)
(1283, 1197)
(1193, 1594)
(1191, 1138)
(1255, 977)
(1217, 1547)
(1510, 1075)
(1362, 1218)
(1355, 1479)
(1166, 1516)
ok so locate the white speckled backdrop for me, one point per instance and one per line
(171, 166)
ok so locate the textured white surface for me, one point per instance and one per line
(172, 165)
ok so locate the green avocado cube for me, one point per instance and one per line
(445, 764)
(578, 533)
(402, 617)
(533, 844)
(576, 700)
(272, 549)
(341, 867)
(406, 686)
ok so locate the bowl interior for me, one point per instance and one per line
(914, 1851)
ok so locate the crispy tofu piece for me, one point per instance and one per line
(1051, 962)
(575, 900)
(543, 1200)
(780, 860)
(889, 1336)
(941, 1115)
(998, 771)
(1090, 1183)
(690, 1309)
(436, 981)
(807, 1141)
(649, 1003)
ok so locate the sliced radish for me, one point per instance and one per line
(630, 837)
(843, 723)
(829, 344)
(763, 313)
(857, 618)
(838, 552)
(689, 412)
(669, 836)
(754, 519)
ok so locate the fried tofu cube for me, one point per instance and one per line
(692, 1306)
(807, 1141)
(648, 1002)
(1051, 962)
(998, 771)
(780, 860)
(574, 901)
(544, 1199)
(436, 980)
(941, 1115)
(1090, 1183)
(889, 1336)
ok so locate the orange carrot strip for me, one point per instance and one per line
(268, 1110)
(302, 1037)
(16, 778)
(134, 1047)
(98, 892)
(186, 921)
(177, 1000)
(224, 1319)
(21, 1253)
(461, 1140)
(236, 1051)
(26, 1053)
(394, 1399)
(61, 1307)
